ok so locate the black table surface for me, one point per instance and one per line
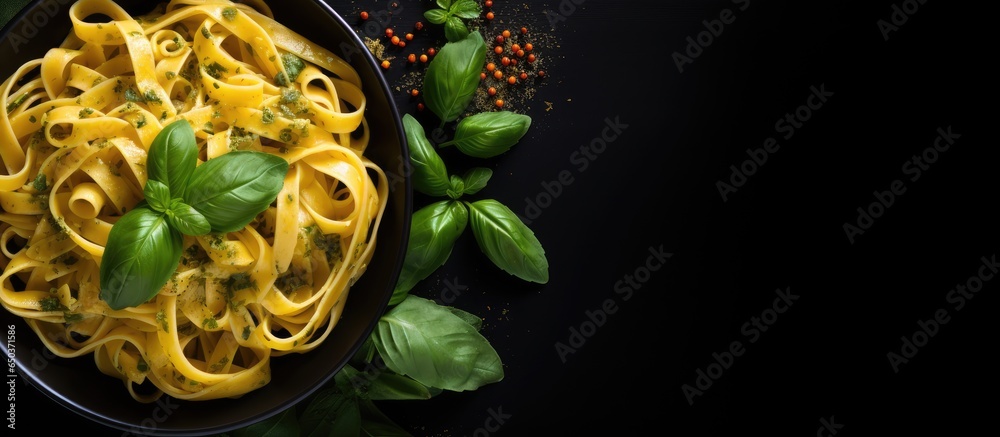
(762, 217)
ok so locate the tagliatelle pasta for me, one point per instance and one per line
(74, 134)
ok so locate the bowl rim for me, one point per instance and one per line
(397, 124)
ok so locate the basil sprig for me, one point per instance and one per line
(182, 198)
(435, 228)
(451, 14)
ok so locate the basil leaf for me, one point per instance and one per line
(157, 195)
(488, 134)
(436, 16)
(231, 189)
(453, 76)
(186, 219)
(141, 255)
(507, 241)
(472, 319)
(173, 155)
(467, 9)
(444, 4)
(454, 29)
(429, 173)
(401, 291)
(457, 187)
(284, 424)
(331, 413)
(433, 232)
(390, 386)
(375, 423)
(476, 179)
(430, 344)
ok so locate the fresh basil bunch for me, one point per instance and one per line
(452, 13)
(449, 86)
(182, 198)
(435, 228)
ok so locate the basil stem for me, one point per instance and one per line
(429, 173)
(488, 134)
(453, 76)
(507, 241)
(173, 156)
(141, 255)
(433, 232)
(231, 189)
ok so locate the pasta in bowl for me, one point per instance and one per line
(258, 281)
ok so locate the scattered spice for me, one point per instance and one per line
(514, 67)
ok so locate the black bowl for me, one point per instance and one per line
(78, 385)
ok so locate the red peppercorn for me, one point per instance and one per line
(411, 58)
(488, 3)
(418, 25)
(489, 15)
(385, 64)
(498, 49)
(531, 57)
(431, 51)
(423, 59)
(492, 91)
(388, 32)
(364, 15)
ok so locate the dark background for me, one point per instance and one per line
(825, 358)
